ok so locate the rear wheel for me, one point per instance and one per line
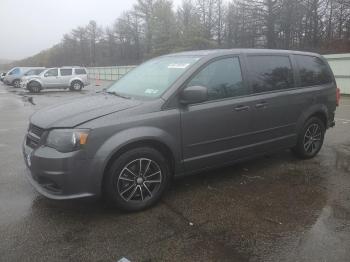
(34, 87)
(16, 83)
(310, 139)
(76, 86)
(137, 179)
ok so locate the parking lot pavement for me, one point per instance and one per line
(275, 208)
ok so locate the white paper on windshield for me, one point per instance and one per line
(178, 66)
(151, 91)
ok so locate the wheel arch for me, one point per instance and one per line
(128, 139)
(319, 111)
(35, 80)
(16, 79)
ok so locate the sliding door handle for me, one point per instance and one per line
(241, 108)
(261, 105)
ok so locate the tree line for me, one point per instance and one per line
(155, 27)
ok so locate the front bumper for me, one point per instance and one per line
(23, 84)
(58, 175)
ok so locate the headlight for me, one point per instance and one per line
(67, 140)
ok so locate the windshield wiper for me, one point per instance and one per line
(117, 94)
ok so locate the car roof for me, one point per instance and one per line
(219, 52)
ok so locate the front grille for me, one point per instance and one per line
(36, 130)
(34, 135)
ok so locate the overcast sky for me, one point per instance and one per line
(29, 26)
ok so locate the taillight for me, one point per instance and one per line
(338, 97)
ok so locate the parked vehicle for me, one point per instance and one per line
(2, 76)
(13, 77)
(29, 74)
(176, 115)
(74, 78)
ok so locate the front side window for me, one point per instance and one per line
(270, 73)
(14, 71)
(153, 78)
(34, 72)
(51, 72)
(312, 71)
(223, 78)
(66, 72)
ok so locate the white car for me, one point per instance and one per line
(74, 78)
(30, 74)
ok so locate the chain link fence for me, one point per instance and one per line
(111, 73)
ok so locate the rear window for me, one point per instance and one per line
(80, 71)
(313, 71)
(270, 73)
(66, 72)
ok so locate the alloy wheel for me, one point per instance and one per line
(312, 138)
(139, 180)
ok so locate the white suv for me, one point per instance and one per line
(74, 78)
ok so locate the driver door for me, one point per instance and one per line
(51, 78)
(215, 132)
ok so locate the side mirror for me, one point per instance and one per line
(193, 95)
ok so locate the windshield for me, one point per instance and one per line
(153, 78)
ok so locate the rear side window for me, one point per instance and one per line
(313, 71)
(223, 78)
(270, 73)
(66, 72)
(80, 71)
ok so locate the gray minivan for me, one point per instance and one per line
(180, 114)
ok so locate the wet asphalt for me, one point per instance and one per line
(274, 208)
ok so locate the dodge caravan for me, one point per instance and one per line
(180, 114)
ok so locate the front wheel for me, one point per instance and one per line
(137, 179)
(16, 83)
(310, 139)
(34, 87)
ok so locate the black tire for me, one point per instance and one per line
(34, 87)
(76, 86)
(16, 83)
(125, 174)
(310, 138)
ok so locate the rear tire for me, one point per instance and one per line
(310, 138)
(137, 179)
(76, 86)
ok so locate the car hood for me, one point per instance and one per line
(79, 111)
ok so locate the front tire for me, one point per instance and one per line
(34, 87)
(16, 83)
(137, 179)
(310, 138)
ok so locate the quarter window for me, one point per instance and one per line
(270, 73)
(79, 71)
(223, 78)
(52, 72)
(66, 72)
(312, 71)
